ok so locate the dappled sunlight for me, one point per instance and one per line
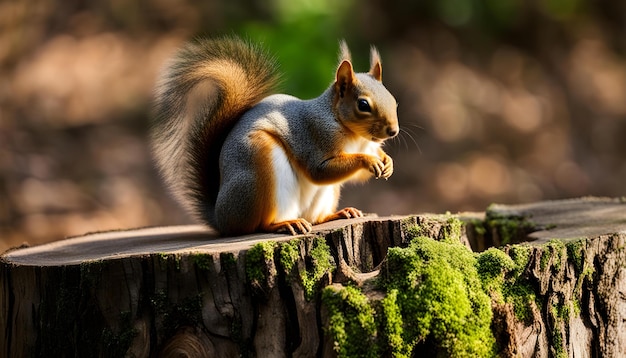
(598, 77)
(78, 81)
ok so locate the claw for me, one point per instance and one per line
(350, 213)
(388, 168)
(379, 168)
(345, 213)
(293, 227)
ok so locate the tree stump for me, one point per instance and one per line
(392, 286)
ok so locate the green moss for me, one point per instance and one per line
(521, 295)
(586, 275)
(392, 326)
(319, 263)
(202, 261)
(501, 277)
(493, 265)
(520, 254)
(575, 253)
(228, 260)
(559, 312)
(437, 294)
(168, 258)
(508, 227)
(576, 307)
(407, 222)
(437, 300)
(565, 311)
(163, 256)
(557, 343)
(352, 323)
(417, 230)
(479, 226)
(552, 254)
(258, 258)
(288, 254)
(450, 231)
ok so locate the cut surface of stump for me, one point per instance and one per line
(554, 287)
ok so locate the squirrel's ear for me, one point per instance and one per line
(345, 77)
(376, 68)
(344, 51)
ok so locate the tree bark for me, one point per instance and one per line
(184, 291)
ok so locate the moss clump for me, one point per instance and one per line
(228, 260)
(479, 226)
(585, 275)
(493, 265)
(501, 275)
(392, 326)
(450, 230)
(260, 263)
(552, 254)
(318, 263)
(520, 254)
(560, 312)
(202, 261)
(258, 258)
(436, 296)
(288, 254)
(575, 253)
(508, 227)
(437, 299)
(352, 322)
(521, 295)
(557, 344)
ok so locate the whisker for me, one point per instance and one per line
(413, 125)
(403, 130)
(401, 140)
(406, 142)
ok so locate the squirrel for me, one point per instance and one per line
(242, 159)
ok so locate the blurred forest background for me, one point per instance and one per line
(506, 101)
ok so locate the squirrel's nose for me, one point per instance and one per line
(392, 131)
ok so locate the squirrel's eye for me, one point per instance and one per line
(363, 105)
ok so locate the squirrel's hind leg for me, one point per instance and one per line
(264, 197)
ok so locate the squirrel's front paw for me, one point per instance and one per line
(376, 166)
(388, 169)
(381, 167)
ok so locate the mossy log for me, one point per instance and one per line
(392, 286)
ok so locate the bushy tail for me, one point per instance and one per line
(202, 93)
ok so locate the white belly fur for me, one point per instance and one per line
(296, 195)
